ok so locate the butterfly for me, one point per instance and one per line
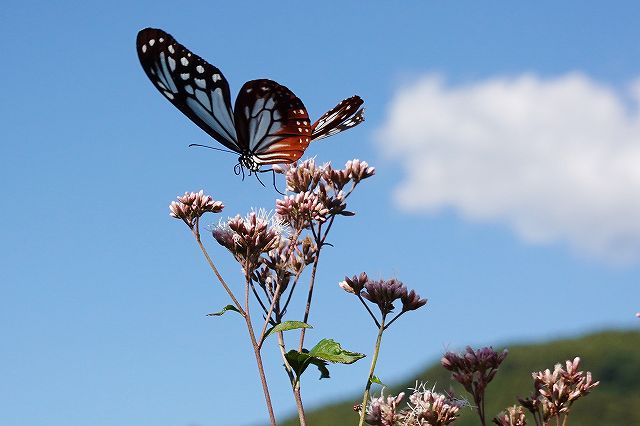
(268, 124)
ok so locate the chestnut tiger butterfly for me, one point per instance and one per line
(268, 125)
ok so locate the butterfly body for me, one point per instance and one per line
(268, 124)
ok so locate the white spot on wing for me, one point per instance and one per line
(216, 77)
(171, 49)
(200, 69)
(152, 42)
(200, 83)
(184, 61)
(172, 63)
(168, 95)
(184, 75)
(144, 48)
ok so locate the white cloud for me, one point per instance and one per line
(557, 160)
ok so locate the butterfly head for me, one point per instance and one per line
(247, 161)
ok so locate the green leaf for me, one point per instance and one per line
(377, 381)
(322, 366)
(300, 361)
(331, 351)
(225, 309)
(287, 325)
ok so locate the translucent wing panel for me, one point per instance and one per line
(273, 124)
(194, 86)
(343, 116)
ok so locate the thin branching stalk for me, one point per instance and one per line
(375, 320)
(374, 359)
(196, 234)
(257, 296)
(311, 283)
(293, 286)
(276, 296)
(295, 384)
(245, 314)
(293, 241)
(254, 344)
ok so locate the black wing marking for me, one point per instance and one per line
(272, 123)
(191, 84)
(343, 116)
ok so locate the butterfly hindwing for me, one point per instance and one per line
(343, 116)
(272, 123)
(190, 83)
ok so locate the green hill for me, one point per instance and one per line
(613, 357)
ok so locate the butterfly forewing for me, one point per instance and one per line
(343, 116)
(272, 123)
(194, 86)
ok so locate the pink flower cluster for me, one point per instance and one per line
(557, 390)
(512, 416)
(192, 205)
(318, 191)
(248, 237)
(425, 407)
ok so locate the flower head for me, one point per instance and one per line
(411, 301)
(474, 369)
(382, 411)
(248, 237)
(301, 177)
(301, 209)
(359, 170)
(355, 284)
(192, 205)
(384, 293)
(512, 416)
(337, 179)
(557, 390)
(431, 408)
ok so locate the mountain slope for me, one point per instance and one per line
(613, 357)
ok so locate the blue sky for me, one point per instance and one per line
(473, 111)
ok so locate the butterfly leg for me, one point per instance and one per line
(273, 172)
(258, 177)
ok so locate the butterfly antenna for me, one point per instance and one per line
(211, 147)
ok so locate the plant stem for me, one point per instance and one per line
(365, 397)
(481, 410)
(311, 282)
(256, 348)
(196, 234)
(295, 386)
(276, 297)
(247, 317)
